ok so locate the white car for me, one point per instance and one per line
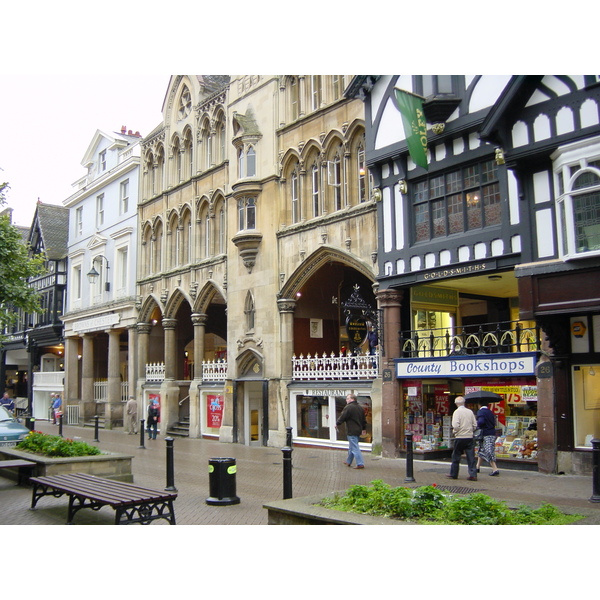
(11, 431)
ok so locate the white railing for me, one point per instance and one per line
(214, 370)
(155, 372)
(101, 390)
(334, 367)
(49, 380)
(72, 414)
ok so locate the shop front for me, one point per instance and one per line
(430, 385)
(315, 409)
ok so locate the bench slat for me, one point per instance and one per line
(115, 493)
(7, 464)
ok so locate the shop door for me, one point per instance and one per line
(253, 414)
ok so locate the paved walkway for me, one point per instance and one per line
(259, 480)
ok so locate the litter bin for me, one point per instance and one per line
(29, 423)
(221, 474)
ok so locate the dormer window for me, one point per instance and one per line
(102, 161)
(442, 95)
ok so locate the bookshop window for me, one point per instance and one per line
(586, 404)
(455, 202)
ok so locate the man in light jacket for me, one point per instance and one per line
(463, 425)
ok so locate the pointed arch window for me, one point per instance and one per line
(249, 312)
(334, 176)
(246, 213)
(362, 174)
(315, 190)
(316, 92)
(295, 196)
(294, 98)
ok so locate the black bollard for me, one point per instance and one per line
(60, 424)
(170, 470)
(142, 430)
(409, 458)
(288, 437)
(287, 472)
(595, 470)
(96, 429)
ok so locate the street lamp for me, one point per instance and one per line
(93, 274)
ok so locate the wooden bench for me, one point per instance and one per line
(24, 466)
(132, 503)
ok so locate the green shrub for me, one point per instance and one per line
(428, 504)
(55, 446)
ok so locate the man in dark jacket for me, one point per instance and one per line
(356, 425)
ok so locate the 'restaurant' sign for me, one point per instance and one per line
(467, 366)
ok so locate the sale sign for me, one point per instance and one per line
(214, 405)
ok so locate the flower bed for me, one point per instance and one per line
(427, 504)
(68, 456)
(56, 446)
(472, 509)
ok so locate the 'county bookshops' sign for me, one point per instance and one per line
(467, 366)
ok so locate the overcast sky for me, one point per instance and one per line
(48, 121)
(65, 73)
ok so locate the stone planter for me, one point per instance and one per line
(111, 466)
(307, 511)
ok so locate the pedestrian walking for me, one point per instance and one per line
(486, 421)
(356, 425)
(131, 409)
(463, 426)
(153, 416)
(56, 409)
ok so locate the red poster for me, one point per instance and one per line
(214, 405)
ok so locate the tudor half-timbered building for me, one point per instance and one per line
(489, 257)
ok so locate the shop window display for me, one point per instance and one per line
(317, 415)
(428, 414)
(586, 404)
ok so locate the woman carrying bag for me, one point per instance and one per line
(486, 421)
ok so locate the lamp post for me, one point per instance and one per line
(93, 274)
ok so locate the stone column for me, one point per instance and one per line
(87, 377)
(71, 391)
(169, 390)
(286, 308)
(169, 326)
(199, 321)
(392, 414)
(132, 364)
(143, 340)
(114, 406)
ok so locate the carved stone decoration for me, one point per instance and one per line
(247, 243)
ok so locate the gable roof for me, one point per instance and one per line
(51, 223)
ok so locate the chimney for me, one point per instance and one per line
(123, 129)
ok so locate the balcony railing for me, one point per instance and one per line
(212, 370)
(335, 367)
(488, 338)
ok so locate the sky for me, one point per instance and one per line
(47, 122)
